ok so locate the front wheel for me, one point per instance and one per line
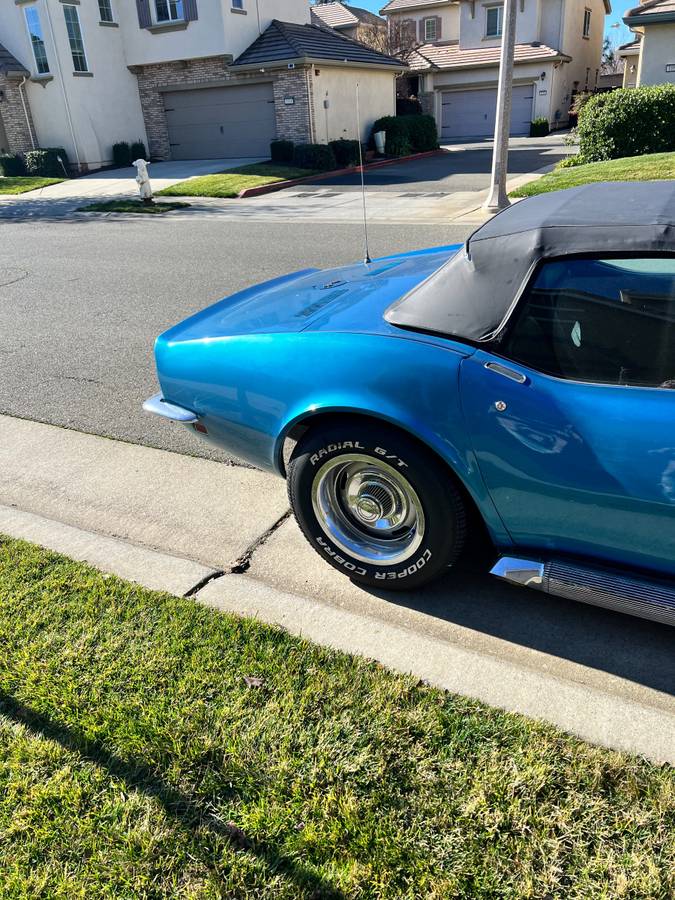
(376, 505)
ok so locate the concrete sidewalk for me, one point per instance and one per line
(223, 534)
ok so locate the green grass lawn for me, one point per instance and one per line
(232, 182)
(153, 748)
(132, 206)
(21, 184)
(651, 167)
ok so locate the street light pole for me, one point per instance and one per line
(497, 198)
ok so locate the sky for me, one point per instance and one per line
(618, 36)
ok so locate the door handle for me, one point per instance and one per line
(506, 372)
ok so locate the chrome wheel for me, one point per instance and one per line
(368, 508)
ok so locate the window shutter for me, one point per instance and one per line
(422, 26)
(190, 10)
(439, 20)
(144, 17)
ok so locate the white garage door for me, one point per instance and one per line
(468, 114)
(222, 122)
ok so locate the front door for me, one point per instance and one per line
(573, 418)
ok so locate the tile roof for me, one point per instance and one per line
(286, 41)
(651, 8)
(400, 5)
(449, 56)
(9, 63)
(340, 15)
(632, 47)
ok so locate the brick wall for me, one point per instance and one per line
(14, 117)
(294, 122)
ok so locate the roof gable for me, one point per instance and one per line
(341, 15)
(289, 41)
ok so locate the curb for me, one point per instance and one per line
(600, 717)
(349, 170)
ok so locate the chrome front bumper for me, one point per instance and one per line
(158, 406)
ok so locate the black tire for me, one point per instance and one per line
(400, 460)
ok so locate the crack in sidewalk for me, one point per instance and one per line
(243, 562)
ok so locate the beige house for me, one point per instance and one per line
(630, 54)
(654, 23)
(455, 62)
(193, 79)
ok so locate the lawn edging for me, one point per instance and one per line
(349, 170)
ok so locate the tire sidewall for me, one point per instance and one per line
(439, 500)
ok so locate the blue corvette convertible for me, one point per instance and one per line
(525, 379)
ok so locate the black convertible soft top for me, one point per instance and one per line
(472, 294)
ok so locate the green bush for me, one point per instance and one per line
(628, 122)
(50, 162)
(121, 152)
(408, 106)
(12, 166)
(346, 152)
(282, 151)
(314, 156)
(539, 127)
(571, 161)
(138, 151)
(407, 134)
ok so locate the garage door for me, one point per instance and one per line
(467, 114)
(222, 122)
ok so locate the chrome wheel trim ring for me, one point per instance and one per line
(368, 508)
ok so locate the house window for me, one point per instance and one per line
(169, 10)
(75, 39)
(105, 10)
(37, 40)
(237, 4)
(587, 23)
(494, 16)
(430, 30)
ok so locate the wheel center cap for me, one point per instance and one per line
(368, 509)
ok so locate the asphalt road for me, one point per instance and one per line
(447, 172)
(81, 303)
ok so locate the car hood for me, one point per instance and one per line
(348, 298)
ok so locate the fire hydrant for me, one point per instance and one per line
(143, 180)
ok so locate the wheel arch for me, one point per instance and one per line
(302, 424)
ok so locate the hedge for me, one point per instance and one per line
(628, 122)
(45, 162)
(346, 152)
(12, 166)
(138, 151)
(407, 134)
(314, 156)
(539, 127)
(282, 151)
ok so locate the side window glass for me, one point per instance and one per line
(610, 321)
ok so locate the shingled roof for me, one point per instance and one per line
(341, 15)
(652, 10)
(400, 5)
(449, 56)
(9, 63)
(286, 42)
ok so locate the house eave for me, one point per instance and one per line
(301, 61)
(649, 18)
(539, 60)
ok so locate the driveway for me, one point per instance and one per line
(63, 198)
(462, 168)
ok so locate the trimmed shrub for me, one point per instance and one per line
(137, 151)
(121, 152)
(539, 127)
(45, 162)
(314, 156)
(628, 122)
(346, 152)
(12, 166)
(282, 151)
(408, 106)
(570, 161)
(407, 134)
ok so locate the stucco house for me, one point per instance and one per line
(193, 79)
(456, 59)
(630, 54)
(654, 24)
(352, 21)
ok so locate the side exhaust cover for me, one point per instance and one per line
(644, 597)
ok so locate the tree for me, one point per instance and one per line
(398, 39)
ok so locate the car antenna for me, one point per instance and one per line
(366, 258)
